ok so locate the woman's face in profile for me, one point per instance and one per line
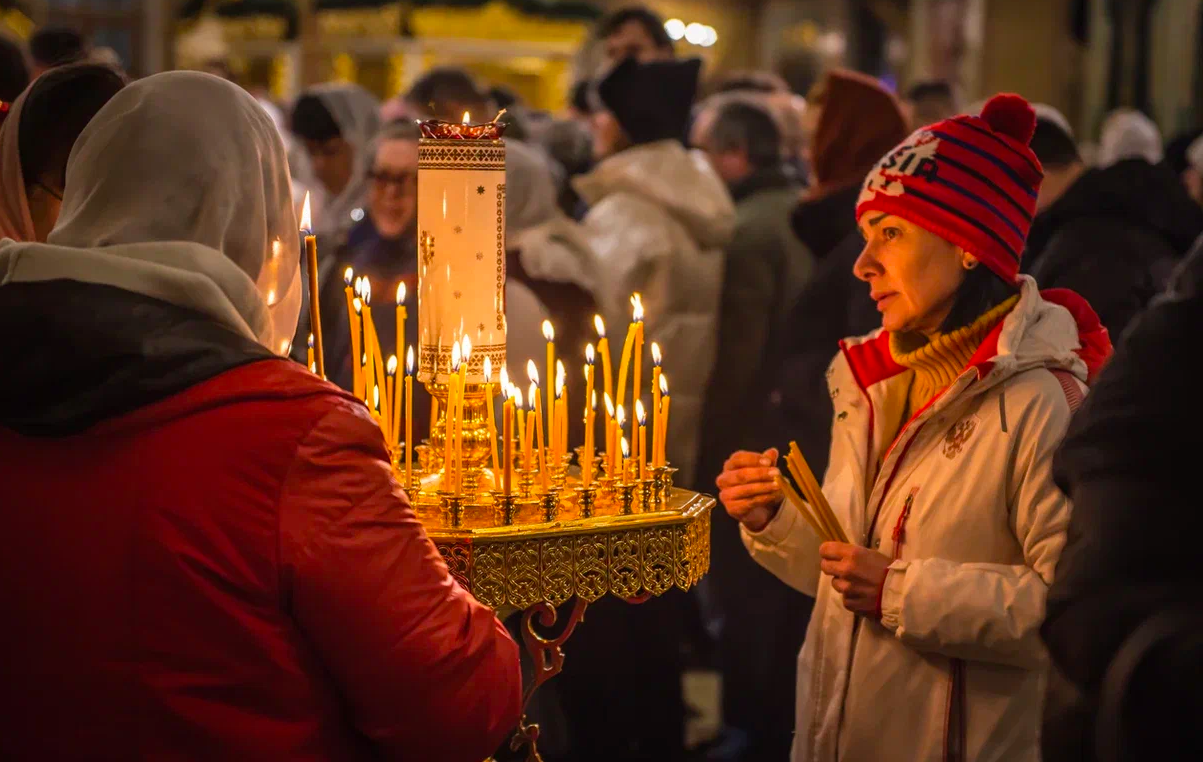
(45, 201)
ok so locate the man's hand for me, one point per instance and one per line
(748, 488)
(857, 574)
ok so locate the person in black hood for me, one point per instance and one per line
(1112, 234)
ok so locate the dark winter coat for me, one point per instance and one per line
(1118, 625)
(1114, 237)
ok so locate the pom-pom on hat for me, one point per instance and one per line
(972, 180)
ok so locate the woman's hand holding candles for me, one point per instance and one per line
(857, 574)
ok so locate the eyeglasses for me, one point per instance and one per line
(404, 181)
(43, 186)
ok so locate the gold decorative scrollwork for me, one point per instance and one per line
(556, 572)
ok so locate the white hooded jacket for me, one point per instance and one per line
(965, 503)
(659, 219)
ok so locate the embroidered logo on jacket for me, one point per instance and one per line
(958, 435)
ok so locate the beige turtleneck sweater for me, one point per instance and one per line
(936, 361)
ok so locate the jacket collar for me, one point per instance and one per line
(1038, 332)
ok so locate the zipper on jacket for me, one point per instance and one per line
(899, 534)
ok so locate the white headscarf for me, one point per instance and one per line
(357, 114)
(178, 189)
(1129, 134)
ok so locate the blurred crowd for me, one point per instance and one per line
(728, 203)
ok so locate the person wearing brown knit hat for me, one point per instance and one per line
(924, 642)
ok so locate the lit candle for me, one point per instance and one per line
(624, 364)
(352, 324)
(392, 424)
(309, 361)
(561, 413)
(401, 315)
(357, 346)
(587, 461)
(409, 416)
(449, 440)
(536, 393)
(489, 409)
(611, 447)
(603, 348)
(626, 455)
(315, 313)
(665, 404)
(507, 437)
(657, 358)
(641, 417)
(620, 421)
(465, 354)
(523, 435)
(549, 334)
(637, 354)
(372, 340)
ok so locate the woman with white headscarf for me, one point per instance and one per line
(337, 122)
(208, 554)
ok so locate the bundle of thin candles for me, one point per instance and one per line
(814, 508)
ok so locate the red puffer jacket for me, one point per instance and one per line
(230, 572)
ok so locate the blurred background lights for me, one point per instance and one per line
(694, 33)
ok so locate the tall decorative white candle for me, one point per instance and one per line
(461, 247)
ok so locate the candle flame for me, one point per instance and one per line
(358, 304)
(363, 360)
(600, 325)
(626, 448)
(466, 350)
(358, 290)
(409, 361)
(640, 413)
(559, 379)
(455, 357)
(505, 378)
(589, 354)
(367, 291)
(348, 275)
(306, 218)
(311, 341)
(549, 332)
(593, 402)
(392, 365)
(657, 358)
(516, 393)
(620, 416)
(400, 293)
(532, 372)
(467, 118)
(376, 396)
(488, 371)
(532, 394)
(636, 308)
(609, 404)
(663, 384)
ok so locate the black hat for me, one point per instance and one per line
(652, 101)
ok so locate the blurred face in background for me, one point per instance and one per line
(393, 197)
(631, 40)
(608, 137)
(333, 161)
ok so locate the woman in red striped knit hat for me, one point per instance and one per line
(924, 642)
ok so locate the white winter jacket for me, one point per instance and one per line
(965, 502)
(658, 223)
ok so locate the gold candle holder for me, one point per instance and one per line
(505, 509)
(645, 495)
(626, 497)
(661, 486)
(586, 498)
(477, 444)
(452, 508)
(550, 503)
(526, 482)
